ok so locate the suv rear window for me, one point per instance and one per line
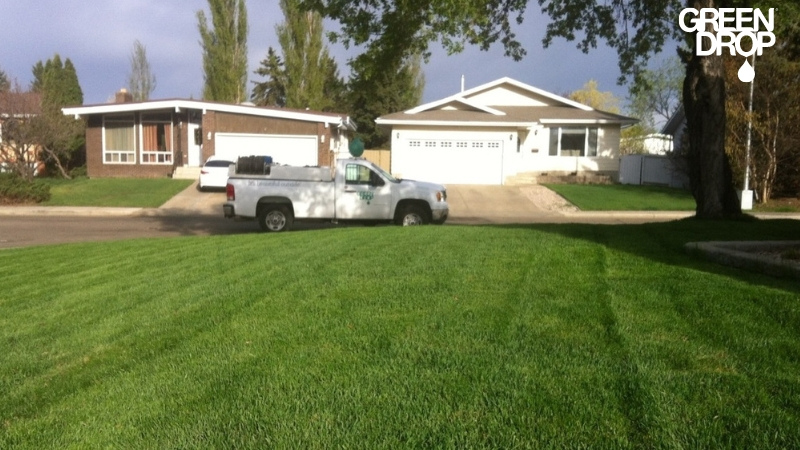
(218, 163)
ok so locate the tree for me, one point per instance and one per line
(658, 96)
(141, 81)
(18, 149)
(271, 92)
(373, 94)
(590, 95)
(224, 50)
(636, 29)
(775, 134)
(5, 85)
(58, 137)
(305, 57)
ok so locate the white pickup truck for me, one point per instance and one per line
(357, 190)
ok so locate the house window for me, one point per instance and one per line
(573, 141)
(447, 144)
(413, 143)
(493, 145)
(119, 144)
(430, 143)
(461, 144)
(157, 139)
(477, 145)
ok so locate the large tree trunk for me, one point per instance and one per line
(710, 173)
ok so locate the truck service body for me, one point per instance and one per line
(356, 190)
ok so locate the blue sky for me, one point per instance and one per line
(98, 36)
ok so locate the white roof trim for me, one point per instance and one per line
(455, 98)
(462, 96)
(584, 121)
(204, 106)
(445, 123)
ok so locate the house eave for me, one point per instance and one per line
(445, 123)
(179, 105)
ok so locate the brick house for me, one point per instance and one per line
(154, 138)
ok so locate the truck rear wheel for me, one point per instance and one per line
(413, 215)
(275, 218)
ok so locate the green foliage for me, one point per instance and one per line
(224, 51)
(141, 80)
(393, 31)
(618, 197)
(305, 57)
(271, 92)
(59, 137)
(5, 84)
(524, 336)
(658, 95)
(15, 189)
(397, 88)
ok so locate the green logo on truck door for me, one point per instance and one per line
(366, 196)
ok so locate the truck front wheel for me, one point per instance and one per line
(275, 218)
(413, 215)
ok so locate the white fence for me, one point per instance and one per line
(652, 169)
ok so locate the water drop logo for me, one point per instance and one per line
(746, 72)
(731, 27)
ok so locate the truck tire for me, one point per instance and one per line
(275, 217)
(413, 215)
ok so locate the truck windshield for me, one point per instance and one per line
(385, 174)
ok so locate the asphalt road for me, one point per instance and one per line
(25, 231)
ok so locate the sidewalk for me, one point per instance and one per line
(468, 205)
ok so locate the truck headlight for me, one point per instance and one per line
(441, 196)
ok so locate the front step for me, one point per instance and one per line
(186, 173)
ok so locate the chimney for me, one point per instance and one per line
(123, 96)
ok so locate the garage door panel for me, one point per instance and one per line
(287, 150)
(478, 162)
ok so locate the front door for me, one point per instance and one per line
(195, 145)
(364, 195)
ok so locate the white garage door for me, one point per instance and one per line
(288, 150)
(450, 161)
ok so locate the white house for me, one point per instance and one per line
(500, 129)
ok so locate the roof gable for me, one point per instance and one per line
(499, 93)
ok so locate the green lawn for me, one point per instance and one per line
(119, 192)
(543, 336)
(619, 197)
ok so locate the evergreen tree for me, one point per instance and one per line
(141, 81)
(59, 137)
(271, 92)
(5, 85)
(224, 51)
(373, 94)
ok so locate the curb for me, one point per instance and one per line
(88, 211)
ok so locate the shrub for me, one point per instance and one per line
(14, 189)
(78, 172)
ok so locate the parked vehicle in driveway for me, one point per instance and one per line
(355, 190)
(214, 173)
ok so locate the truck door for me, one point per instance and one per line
(363, 195)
